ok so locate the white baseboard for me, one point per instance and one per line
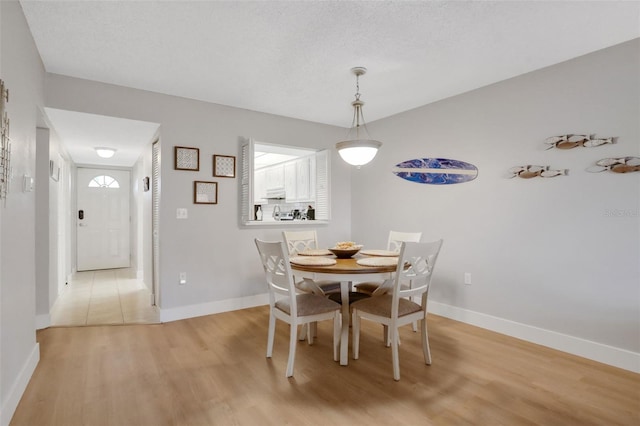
(43, 321)
(209, 308)
(19, 386)
(610, 355)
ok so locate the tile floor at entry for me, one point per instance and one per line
(104, 297)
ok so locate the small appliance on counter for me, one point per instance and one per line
(286, 216)
(278, 214)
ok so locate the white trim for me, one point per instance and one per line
(43, 321)
(140, 275)
(285, 223)
(610, 355)
(19, 386)
(216, 307)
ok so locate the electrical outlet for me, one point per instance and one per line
(181, 213)
(183, 278)
(467, 278)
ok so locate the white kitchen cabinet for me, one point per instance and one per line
(312, 178)
(297, 180)
(302, 180)
(275, 177)
(259, 186)
(290, 186)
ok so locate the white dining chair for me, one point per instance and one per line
(299, 241)
(290, 306)
(393, 244)
(378, 288)
(416, 263)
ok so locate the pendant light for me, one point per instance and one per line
(358, 148)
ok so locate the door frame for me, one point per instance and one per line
(129, 201)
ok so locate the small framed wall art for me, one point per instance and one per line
(224, 166)
(187, 158)
(205, 192)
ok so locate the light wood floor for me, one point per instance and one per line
(212, 370)
(111, 296)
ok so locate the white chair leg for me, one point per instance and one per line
(311, 332)
(303, 332)
(394, 353)
(271, 334)
(336, 335)
(415, 326)
(355, 330)
(293, 338)
(425, 342)
(387, 336)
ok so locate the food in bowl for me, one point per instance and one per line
(345, 249)
(345, 245)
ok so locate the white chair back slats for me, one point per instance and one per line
(397, 238)
(299, 241)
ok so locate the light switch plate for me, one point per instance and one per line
(27, 183)
(182, 213)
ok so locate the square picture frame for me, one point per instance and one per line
(224, 166)
(205, 192)
(187, 158)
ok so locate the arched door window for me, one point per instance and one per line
(104, 182)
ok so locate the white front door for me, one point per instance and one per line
(103, 219)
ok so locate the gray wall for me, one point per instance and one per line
(23, 74)
(218, 255)
(558, 254)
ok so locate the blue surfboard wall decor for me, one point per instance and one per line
(436, 171)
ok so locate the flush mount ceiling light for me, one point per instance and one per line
(105, 152)
(358, 149)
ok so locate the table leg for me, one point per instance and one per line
(344, 336)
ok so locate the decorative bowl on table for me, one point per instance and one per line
(345, 251)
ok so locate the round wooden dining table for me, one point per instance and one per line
(346, 271)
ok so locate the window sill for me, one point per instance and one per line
(285, 223)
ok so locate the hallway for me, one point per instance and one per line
(104, 297)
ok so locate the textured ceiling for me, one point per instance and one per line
(293, 58)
